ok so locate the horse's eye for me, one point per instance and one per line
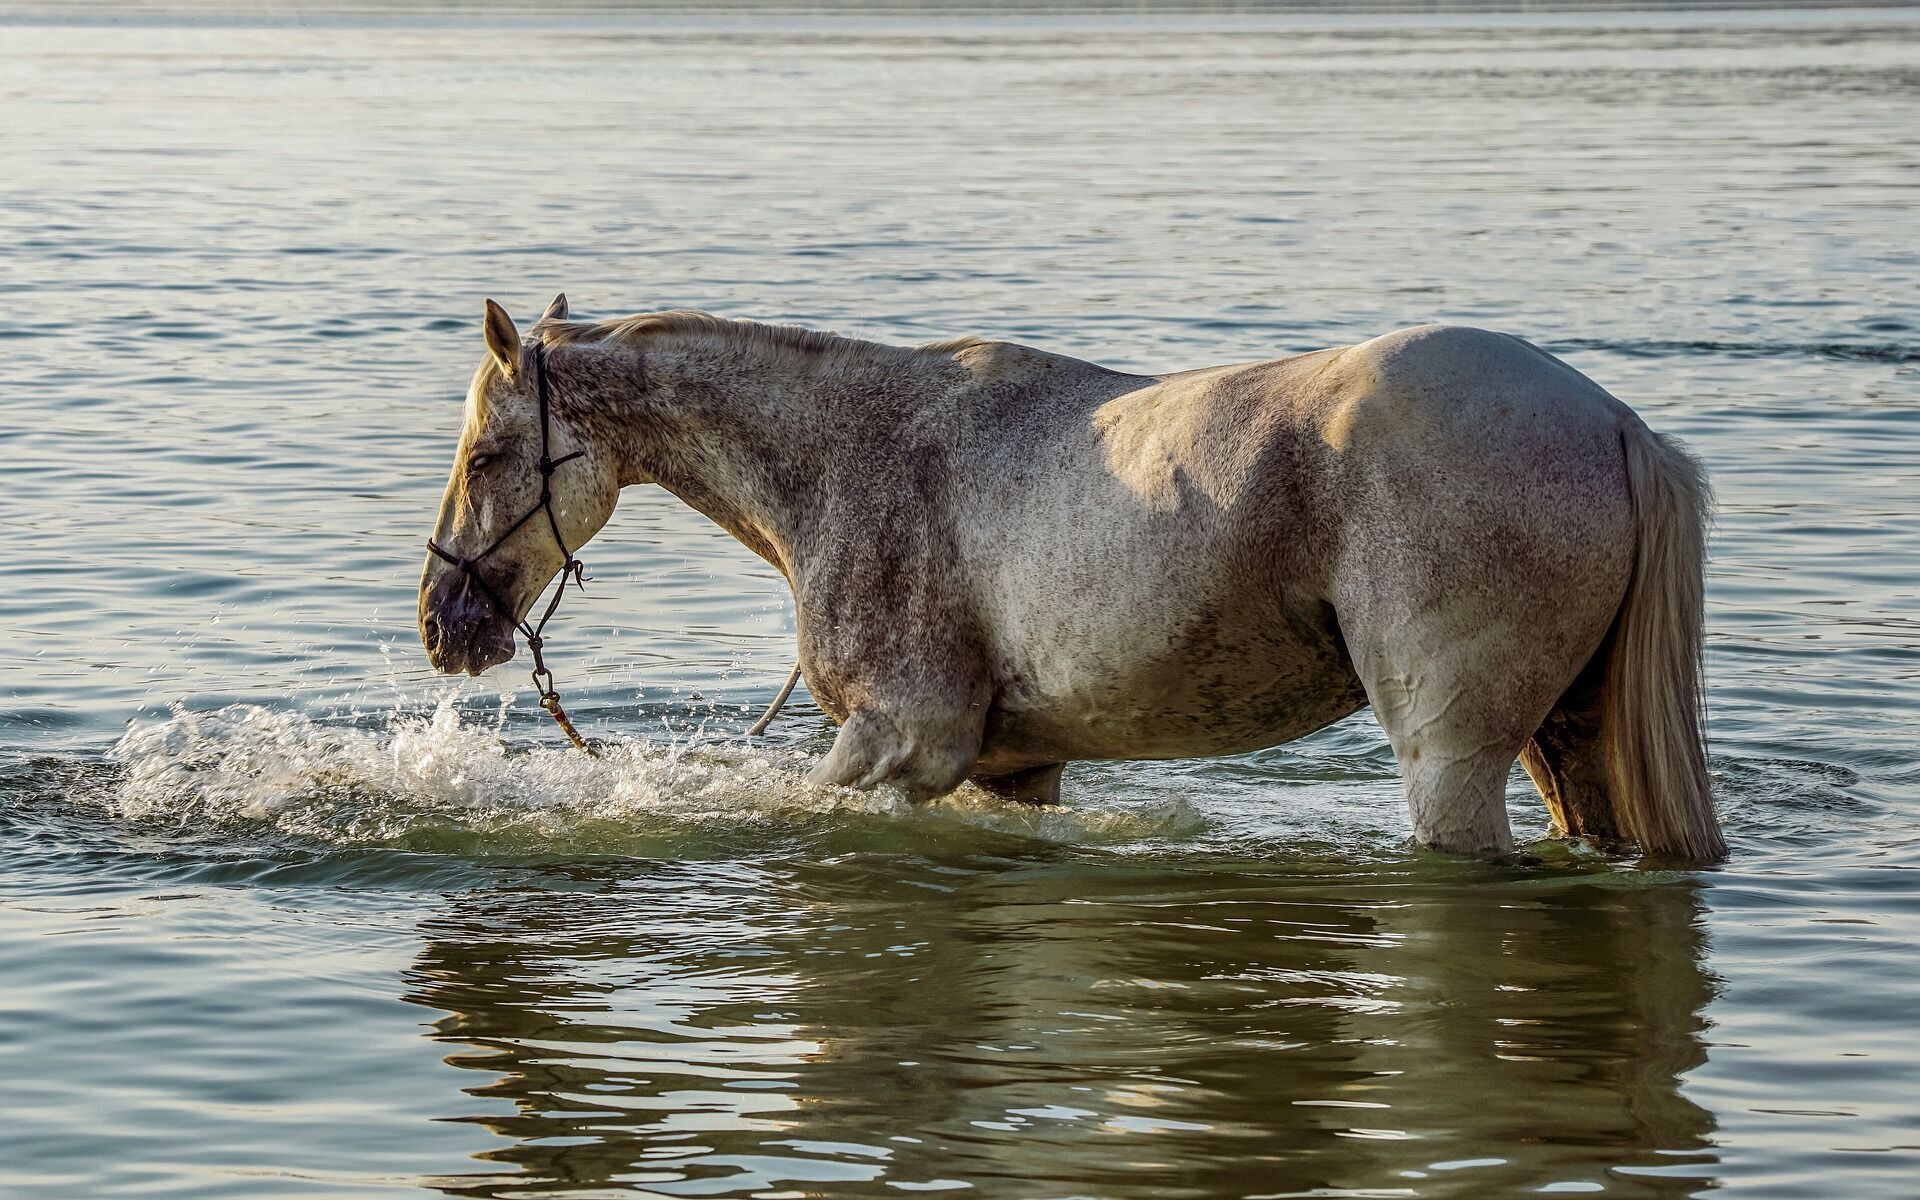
(480, 462)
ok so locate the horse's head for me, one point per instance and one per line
(498, 544)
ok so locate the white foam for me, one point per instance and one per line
(438, 779)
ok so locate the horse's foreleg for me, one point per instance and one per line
(1036, 785)
(923, 753)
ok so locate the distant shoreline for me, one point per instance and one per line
(1118, 15)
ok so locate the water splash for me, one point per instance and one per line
(437, 782)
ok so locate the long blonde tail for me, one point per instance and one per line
(1653, 723)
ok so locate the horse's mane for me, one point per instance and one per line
(643, 326)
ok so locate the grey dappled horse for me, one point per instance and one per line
(1004, 560)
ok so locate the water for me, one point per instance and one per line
(283, 914)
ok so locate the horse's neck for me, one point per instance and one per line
(750, 436)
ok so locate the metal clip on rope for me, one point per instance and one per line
(550, 699)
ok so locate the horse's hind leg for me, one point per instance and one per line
(1568, 765)
(1456, 711)
(1458, 804)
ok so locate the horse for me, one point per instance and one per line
(1004, 560)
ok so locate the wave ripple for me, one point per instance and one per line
(433, 782)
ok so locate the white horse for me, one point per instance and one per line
(1004, 560)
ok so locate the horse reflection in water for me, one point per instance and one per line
(1119, 1030)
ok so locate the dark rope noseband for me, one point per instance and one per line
(572, 569)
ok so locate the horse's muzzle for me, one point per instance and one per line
(460, 628)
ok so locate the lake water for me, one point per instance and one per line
(284, 914)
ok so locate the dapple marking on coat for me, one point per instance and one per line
(1004, 560)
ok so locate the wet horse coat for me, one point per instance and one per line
(1004, 560)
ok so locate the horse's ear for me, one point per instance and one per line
(557, 311)
(502, 338)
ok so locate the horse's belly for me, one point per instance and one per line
(1216, 687)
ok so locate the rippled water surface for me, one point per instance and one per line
(283, 914)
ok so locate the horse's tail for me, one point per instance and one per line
(1653, 723)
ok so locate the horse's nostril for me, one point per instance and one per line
(431, 628)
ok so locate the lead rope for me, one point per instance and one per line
(572, 569)
(773, 710)
(542, 673)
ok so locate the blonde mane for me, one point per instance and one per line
(641, 327)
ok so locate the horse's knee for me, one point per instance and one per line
(873, 748)
(932, 771)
